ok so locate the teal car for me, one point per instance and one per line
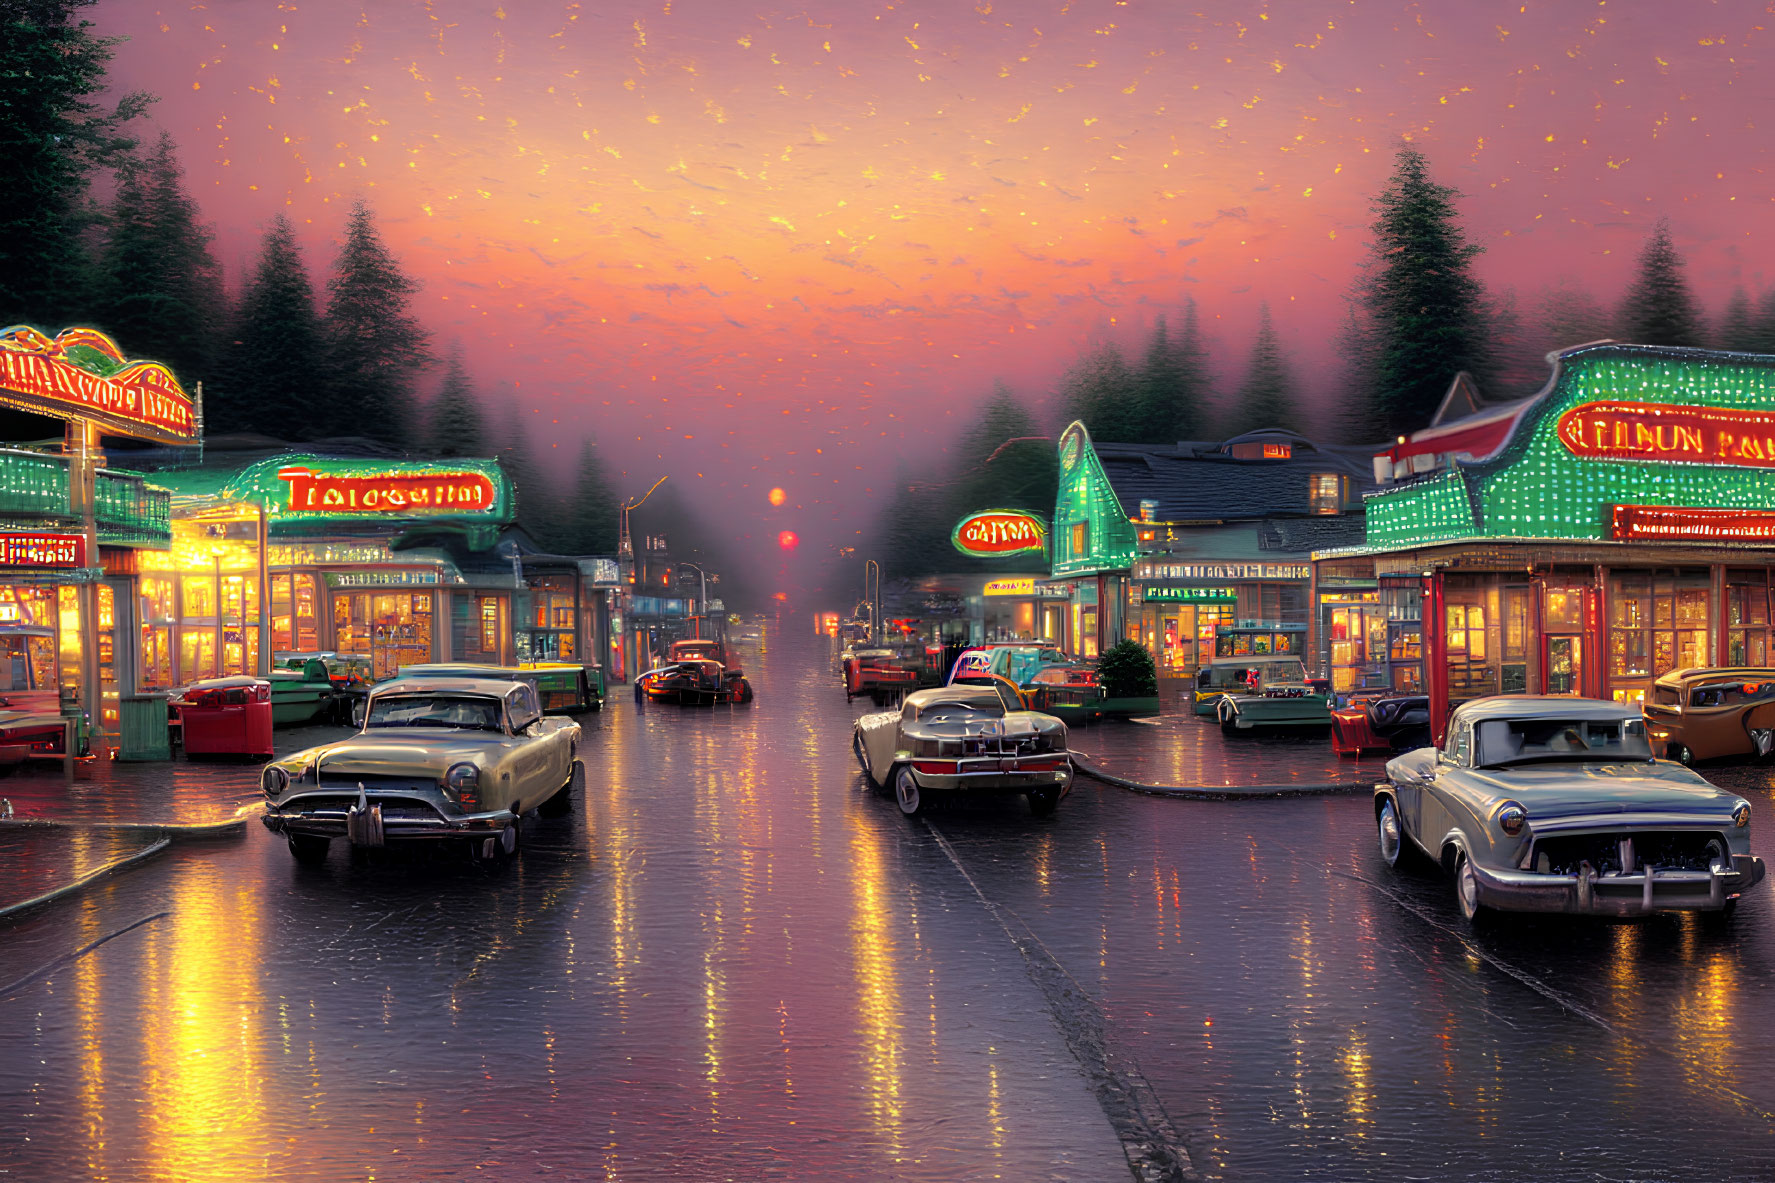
(1270, 692)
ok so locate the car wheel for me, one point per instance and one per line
(561, 804)
(1467, 891)
(1043, 802)
(1392, 835)
(906, 792)
(310, 849)
(1680, 753)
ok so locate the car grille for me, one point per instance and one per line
(335, 805)
(999, 745)
(1667, 850)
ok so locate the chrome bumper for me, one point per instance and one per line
(290, 818)
(1639, 893)
(992, 781)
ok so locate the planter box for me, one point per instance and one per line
(1123, 708)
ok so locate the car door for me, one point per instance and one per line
(530, 757)
(1440, 808)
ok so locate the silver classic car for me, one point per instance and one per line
(965, 739)
(1554, 804)
(438, 757)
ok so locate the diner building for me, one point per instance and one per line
(1181, 546)
(1615, 526)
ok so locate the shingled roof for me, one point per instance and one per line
(1194, 481)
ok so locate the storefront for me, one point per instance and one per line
(1620, 529)
(1183, 607)
(71, 529)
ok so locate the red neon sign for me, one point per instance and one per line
(442, 492)
(1652, 523)
(42, 550)
(136, 398)
(995, 532)
(1661, 432)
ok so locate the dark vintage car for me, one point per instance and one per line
(1555, 804)
(1381, 723)
(890, 669)
(1709, 714)
(438, 758)
(965, 739)
(695, 673)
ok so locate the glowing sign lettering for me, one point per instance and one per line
(1655, 522)
(443, 492)
(1676, 434)
(81, 374)
(994, 533)
(42, 550)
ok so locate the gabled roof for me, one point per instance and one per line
(1202, 480)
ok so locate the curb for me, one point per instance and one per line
(87, 879)
(173, 831)
(1218, 793)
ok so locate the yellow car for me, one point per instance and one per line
(438, 758)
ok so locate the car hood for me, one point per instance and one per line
(1551, 791)
(418, 753)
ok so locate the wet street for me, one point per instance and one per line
(734, 962)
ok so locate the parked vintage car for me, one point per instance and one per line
(563, 689)
(965, 739)
(438, 758)
(1555, 804)
(1269, 692)
(1706, 714)
(695, 673)
(1238, 675)
(888, 669)
(1381, 723)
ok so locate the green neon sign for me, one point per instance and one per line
(1190, 595)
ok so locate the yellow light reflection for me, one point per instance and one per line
(878, 989)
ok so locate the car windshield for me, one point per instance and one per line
(457, 711)
(686, 651)
(1505, 742)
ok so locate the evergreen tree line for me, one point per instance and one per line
(282, 360)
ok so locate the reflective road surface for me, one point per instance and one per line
(734, 962)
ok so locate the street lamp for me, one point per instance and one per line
(703, 577)
(874, 601)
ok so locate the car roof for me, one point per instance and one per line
(1543, 706)
(1678, 677)
(962, 693)
(489, 687)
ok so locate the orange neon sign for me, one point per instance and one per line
(1651, 523)
(1664, 432)
(443, 492)
(81, 374)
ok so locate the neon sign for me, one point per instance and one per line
(82, 374)
(1657, 522)
(995, 533)
(1663, 432)
(1191, 595)
(42, 550)
(443, 492)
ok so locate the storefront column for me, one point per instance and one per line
(1436, 655)
(1718, 653)
(265, 662)
(81, 442)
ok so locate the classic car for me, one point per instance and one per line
(1381, 723)
(564, 689)
(1554, 804)
(1705, 714)
(438, 758)
(695, 673)
(1238, 675)
(965, 739)
(1270, 692)
(891, 668)
(299, 696)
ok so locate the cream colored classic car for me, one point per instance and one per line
(438, 758)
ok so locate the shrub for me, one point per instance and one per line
(1126, 671)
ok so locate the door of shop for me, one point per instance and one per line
(1567, 613)
(1358, 635)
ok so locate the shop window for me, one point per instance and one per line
(1325, 493)
(1657, 623)
(1513, 668)
(158, 617)
(1471, 635)
(1081, 539)
(477, 627)
(1747, 618)
(295, 613)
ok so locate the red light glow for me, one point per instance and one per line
(788, 540)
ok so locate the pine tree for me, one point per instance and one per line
(160, 288)
(277, 380)
(1737, 327)
(1160, 381)
(539, 511)
(1658, 309)
(454, 425)
(1001, 464)
(54, 138)
(1428, 308)
(1266, 398)
(1571, 316)
(1762, 324)
(377, 346)
(1104, 391)
(1190, 411)
(591, 518)
(1358, 352)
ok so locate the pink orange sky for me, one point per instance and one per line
(755, 247)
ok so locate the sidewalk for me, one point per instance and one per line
(1182, 751)
(63, 834)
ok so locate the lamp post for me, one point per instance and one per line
(874, 600)
(703, 579)
(625, 557)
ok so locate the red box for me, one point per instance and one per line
(227, 717)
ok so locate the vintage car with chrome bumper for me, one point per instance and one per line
(973, 739)
(438, 758)
(1556, 804)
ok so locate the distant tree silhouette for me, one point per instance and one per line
(1266, 397)
(454, 424)
(1658, 309)
(1103, 391)
(1762, 324)
(376, 346)
(591, 516)
(1172, 384)
(277, 376)
(1738, 324)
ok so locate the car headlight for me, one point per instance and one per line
(1741, 814)
(1512, 818)
(274, 780)
(463, 781)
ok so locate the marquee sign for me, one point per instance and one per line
(401, 493)
(1191, 595)
(42, 550)
(81, 374)
(1147, 569)
(1665, 432)
(1654, 523)
(997, 533)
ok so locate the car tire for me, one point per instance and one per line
(1391, 833)
(1467, 892)
(310, 849)
(906, 793)
(561, 804)
(1680, 753)
(1043, 802)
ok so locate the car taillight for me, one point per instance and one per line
(1041, 765)
(940, 767)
